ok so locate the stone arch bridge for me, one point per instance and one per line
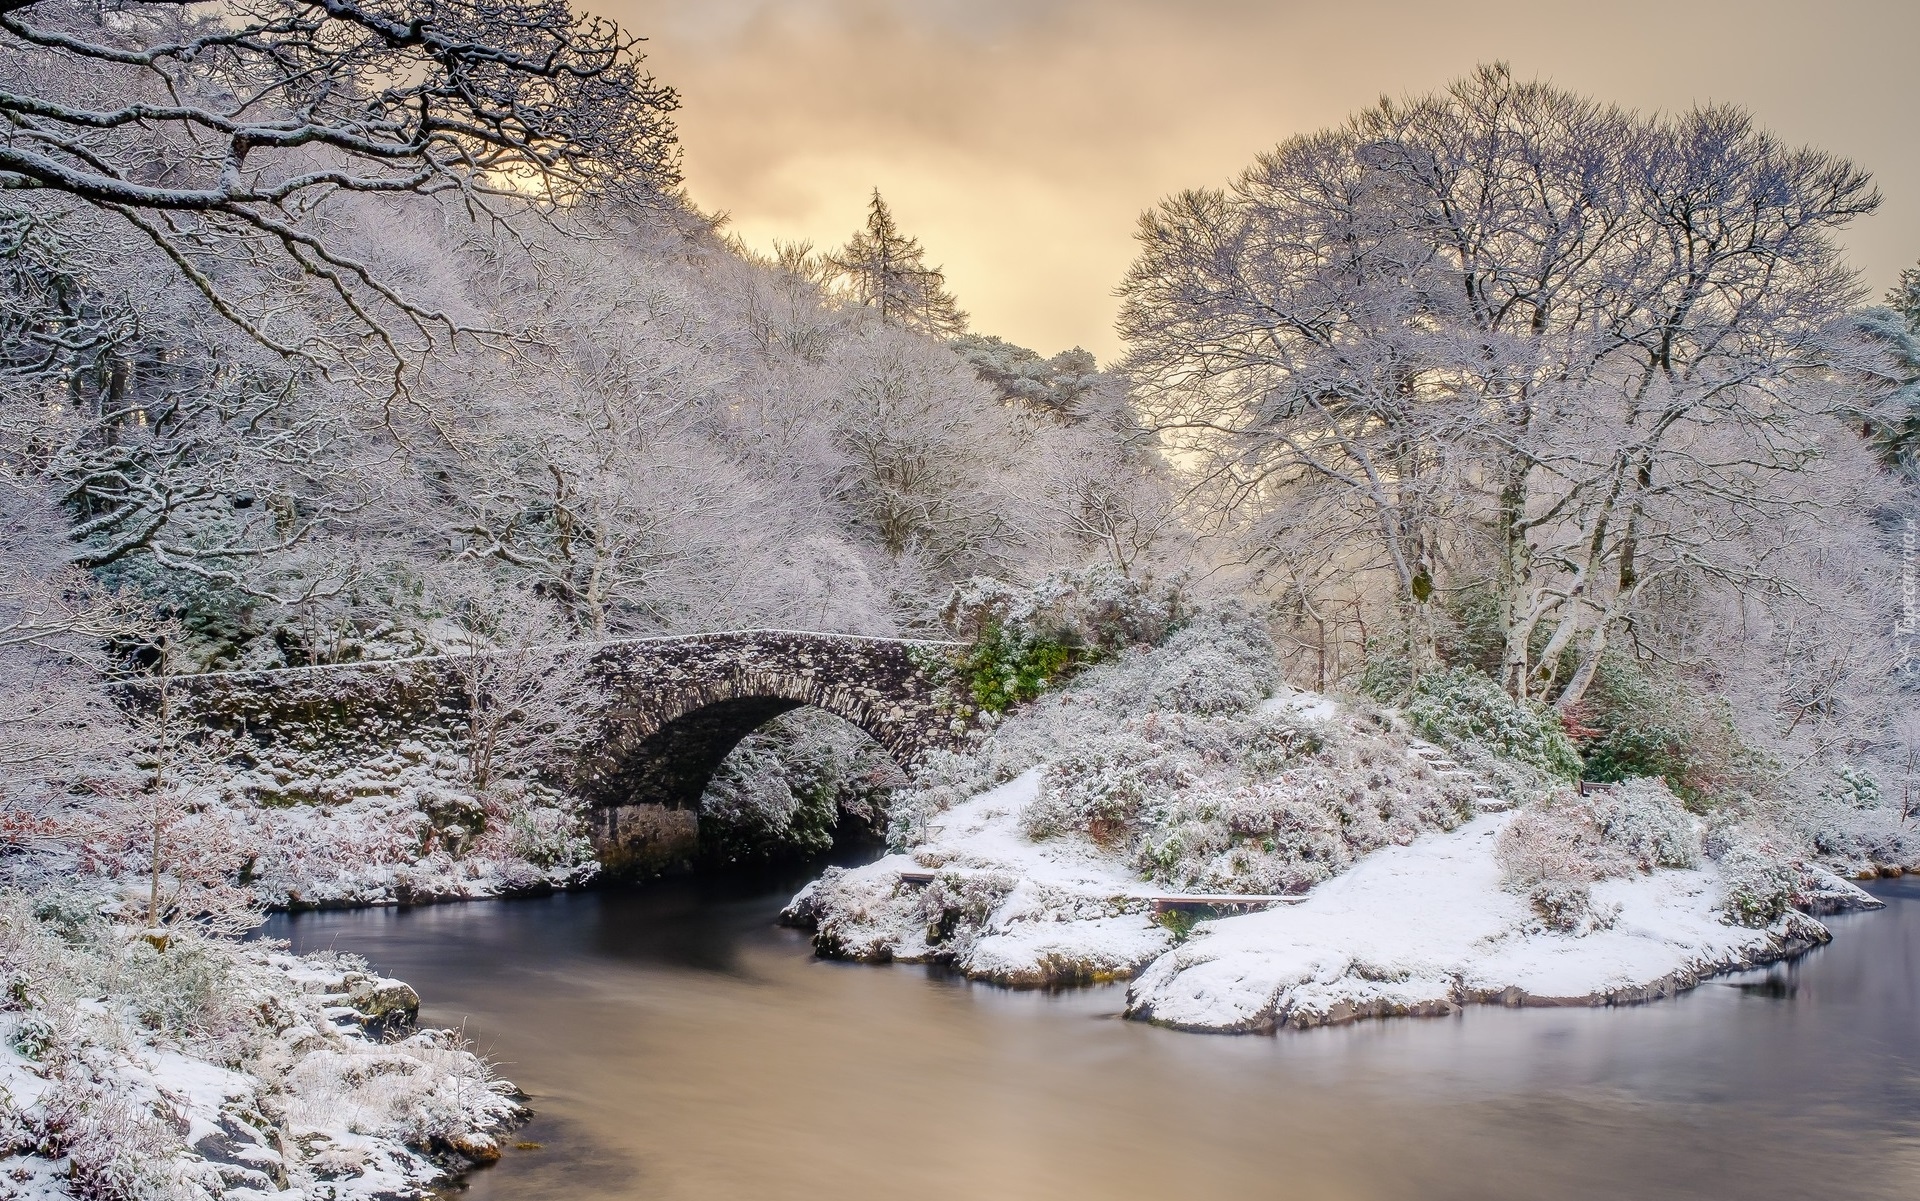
(675, 707)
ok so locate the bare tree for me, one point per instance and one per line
(528, 699)
(228, 127)
(1524, 341)
(57, 722)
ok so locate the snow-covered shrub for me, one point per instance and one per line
(955, 907)
(1760, 882)
(1841, 820)
(1097, 608)
(1645, 820)
(538, 826)
(421, 1089)
(548, 837)
(1100, 787)
(943, 779)
(1026, 640)
(1854, 787)
(1568, 908)
(1552, 843)
(1385, 677)
(1463, 706)
(1552, 850)
(1355, 792)
(116, 1150)
(1279, 740)
(192, 991)
(1222, 662)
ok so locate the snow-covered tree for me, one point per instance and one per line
(527, 699)
(226, 132)
(1506, 335)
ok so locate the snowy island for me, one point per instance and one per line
(1390, 878)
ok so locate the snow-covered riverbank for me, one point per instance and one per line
(218, 1070)
(1425, 928)
(1416, 929)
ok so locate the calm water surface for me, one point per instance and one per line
(678, 1045)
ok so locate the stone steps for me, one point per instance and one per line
(1487, 799)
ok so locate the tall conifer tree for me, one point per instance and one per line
(885, 269)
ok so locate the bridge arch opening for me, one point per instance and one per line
(738, 779)
(804, 784)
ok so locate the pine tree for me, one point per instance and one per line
(1895, 425)
(1905, 297)
(885, 269)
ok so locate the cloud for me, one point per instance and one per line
(1021, 139)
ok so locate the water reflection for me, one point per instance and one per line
(678, 1045)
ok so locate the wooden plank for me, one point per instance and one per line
(1166, 900)
(1227, 898)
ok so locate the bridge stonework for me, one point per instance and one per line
(677, 706)
(674, 709)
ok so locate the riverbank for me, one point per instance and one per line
(190, 1067)
(1396, 876)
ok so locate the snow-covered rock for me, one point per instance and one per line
(1823, 892)
(996, 906)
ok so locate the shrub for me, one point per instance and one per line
(1099, 788)
(1760, 885)
(1853, 787)
(955, 907)
(1555, 843)
(1160, 753)
(1629, 749)
(1570, 839)
(1023, 641)
(550, 837)
(1354, 792)
(1637, 724)
(1465, 706)
(944, 779)
(1223, 662)
(1567, 908)
(1003, 669)
(1097, 608)
(1385, 677)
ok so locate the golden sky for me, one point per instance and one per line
(1020, 139)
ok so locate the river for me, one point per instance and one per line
(678, 1045)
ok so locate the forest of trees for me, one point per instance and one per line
(332, 335)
